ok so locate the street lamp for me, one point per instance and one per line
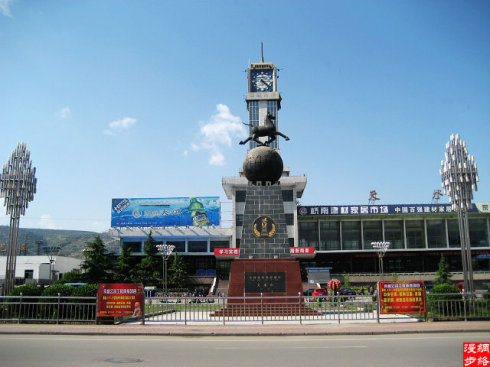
(459, 176)
(166, 251)
(17, 186)
(51, 252)
(381, 247)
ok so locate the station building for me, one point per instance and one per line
(341, 235)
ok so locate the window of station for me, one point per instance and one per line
(436, 233)
(179, 246)
(289, 219)
(372, 232)
(239, 220)
(308, 234)
(287, 195)
(394, 233)
(240, 196)
(453, 233)
(478, 232)
(351, 235)
(132, 246)
(198, 246)
(329, 235)
(219, 244)
(415, 233)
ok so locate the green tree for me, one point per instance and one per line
(149, 269)
(178, 272)
(443, 276)
(96, 263)
(124, 266)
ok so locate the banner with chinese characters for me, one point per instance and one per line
(476, 354)
(405, 297)
(117, 300)
(332, 210)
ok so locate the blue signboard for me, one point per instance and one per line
(182, 211)
(332, 210)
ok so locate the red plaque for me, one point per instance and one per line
(116, 300)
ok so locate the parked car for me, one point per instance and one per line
(346, 292)
(319, 292)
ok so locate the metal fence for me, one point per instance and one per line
(263, 309)
(57, 309)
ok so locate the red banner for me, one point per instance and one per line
(405, 297)
(116, 300)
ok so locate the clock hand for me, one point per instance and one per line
(263, 81)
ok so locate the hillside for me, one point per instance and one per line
(71, 243)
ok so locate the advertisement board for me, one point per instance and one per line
(395, 209)
(117, 300)
(180, 211)
(405, 297)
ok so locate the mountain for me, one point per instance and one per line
(71, 243)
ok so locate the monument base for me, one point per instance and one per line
(265, 287)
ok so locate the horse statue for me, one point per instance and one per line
(268, 129)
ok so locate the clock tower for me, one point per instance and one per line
(262, 97)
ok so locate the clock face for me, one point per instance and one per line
(262, 81)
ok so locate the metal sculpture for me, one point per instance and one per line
(459, 176)
(268, 129)
(17, 186)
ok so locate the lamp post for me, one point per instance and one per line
(166, 251)
(51, 252)
(459, 176)
(381, 247)
(17, 186)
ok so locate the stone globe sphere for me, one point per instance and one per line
(263, 164)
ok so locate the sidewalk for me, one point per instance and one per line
(251, 330)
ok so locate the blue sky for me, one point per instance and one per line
(145, 98)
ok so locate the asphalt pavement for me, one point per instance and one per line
(250, 329)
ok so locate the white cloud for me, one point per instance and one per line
(47, 222)
(65, 112)
(217, 132)
(5, 7)
(120, 125)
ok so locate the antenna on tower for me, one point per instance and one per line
(262, 52)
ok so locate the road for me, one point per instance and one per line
(444, 349)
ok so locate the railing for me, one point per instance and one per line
(225, 310)
(54, 309)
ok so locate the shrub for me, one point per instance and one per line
(27, 290)
(87, 290)
(444, 292)
(63, 290)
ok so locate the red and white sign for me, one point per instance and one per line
(476, 354)
(405, 297)
(116, 300)
(226, 252)
(302, 250)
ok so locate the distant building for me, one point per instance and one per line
(37, 269)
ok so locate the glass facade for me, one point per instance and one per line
(437, 233)
(351, 235)
(415, 233)
(478, 232)
(394, 233)
(329, 235)
(372, 231)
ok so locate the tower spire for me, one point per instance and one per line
(262, 52)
